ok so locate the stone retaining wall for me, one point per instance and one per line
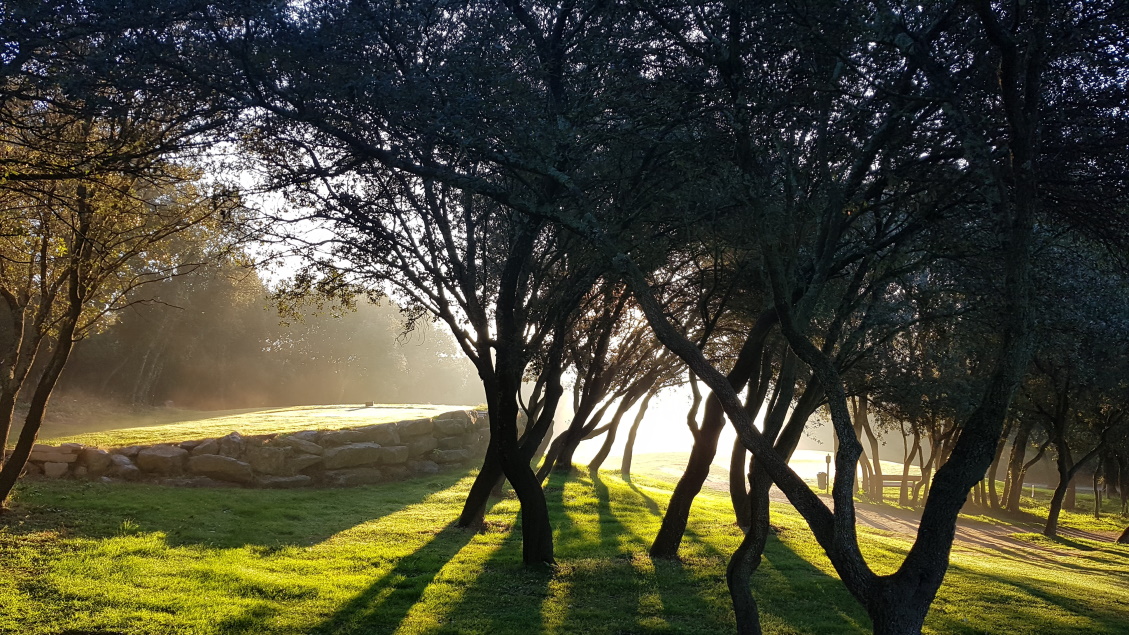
(327, 458)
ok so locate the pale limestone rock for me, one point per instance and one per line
(393, 455)
(451, 443)
(450, 427)
(55, 470)
(414, 428)
(267, 460)
(220, 467)
(95, 460)
(207, 446)
(421, 446)
(352, 455)
(384, 434)
(298, 445)
(167, 460)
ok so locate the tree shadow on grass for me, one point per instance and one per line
(212, 517)
(606, 581)
(382, 606)
(1054, 612)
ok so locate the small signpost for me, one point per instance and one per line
(828, 461)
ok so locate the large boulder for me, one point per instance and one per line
(451, 443)
(223, 468)
(167, 460)
(303, 462)
(232, 445)
(393, 455)
(414, 428)
(330, 438)
(353, 476)
(384, 434)
(353, 455)
(130, 450)
(268, 460)
(207, 446)
(95, 460)
(450, 427)
(421, 446)
(122, 467)
(55, 470)
(52, 454)
(466, 416)
(298, 444)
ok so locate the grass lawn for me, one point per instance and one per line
(171, 426)
(134, 558)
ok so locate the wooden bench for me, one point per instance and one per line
(897, 481)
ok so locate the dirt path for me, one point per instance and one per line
(997, 535)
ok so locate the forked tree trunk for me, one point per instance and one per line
(677, 513)
(1015, 470)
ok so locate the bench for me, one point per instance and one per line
(897, 481)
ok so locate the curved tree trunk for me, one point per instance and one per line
(705, 444)
(629, 447)
(37, 408)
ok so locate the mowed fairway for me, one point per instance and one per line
(146, 559)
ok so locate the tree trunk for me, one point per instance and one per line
(1097, 495)
(491, 477)
(742, 505)
(747, 558)
(1051, 528)
(1124, 538)
(629, 447)
(1015, 470)
(1071, 500)
(37, 408)
(862, 418)
(903, 492)
(994, 498)
(705, 444)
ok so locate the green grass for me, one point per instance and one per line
(143, 559)
(188, 425)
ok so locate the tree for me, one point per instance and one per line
(73, 249)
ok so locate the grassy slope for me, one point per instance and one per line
(383, 559)
(171, 426)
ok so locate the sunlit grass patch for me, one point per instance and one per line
(201, 425)
(136, 558)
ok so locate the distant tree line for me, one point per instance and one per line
(215, 339)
